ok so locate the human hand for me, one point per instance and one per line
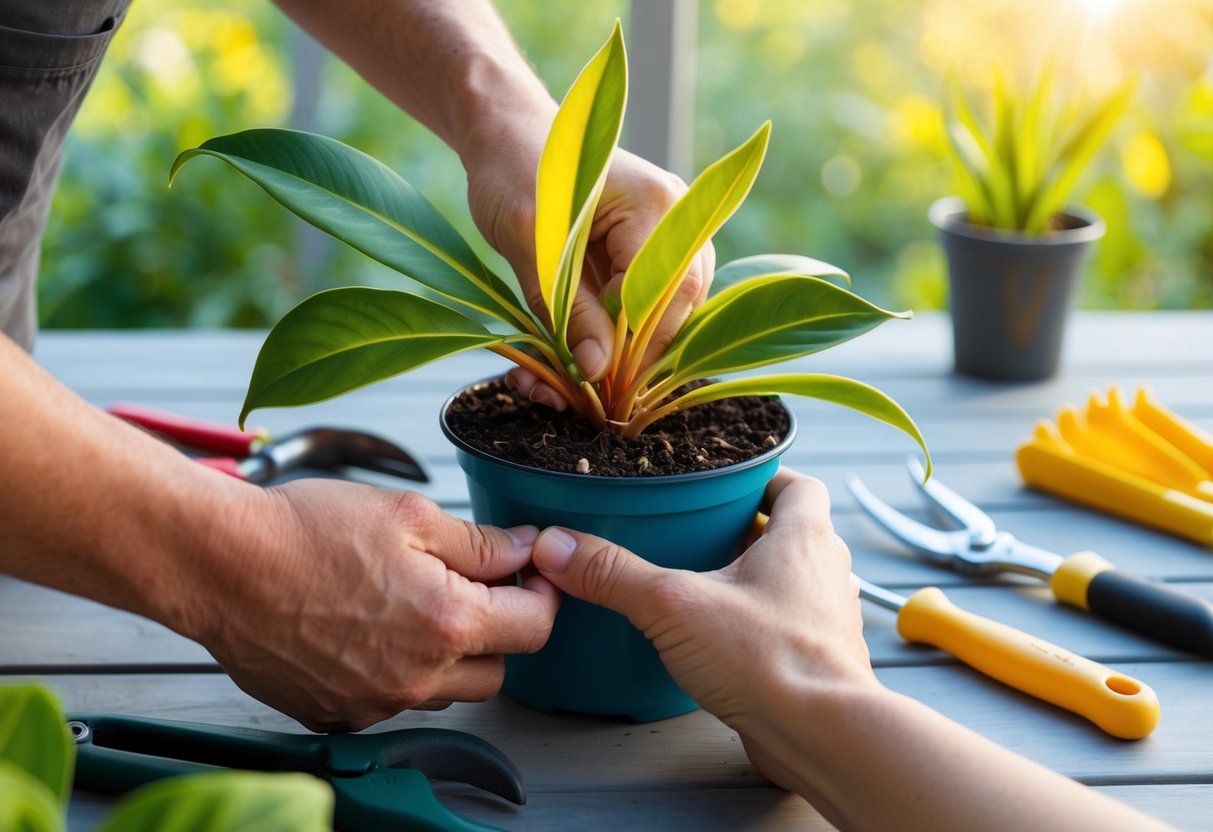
(787, 608)
(637, 194)
(351, 604)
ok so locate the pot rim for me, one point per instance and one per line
(948, 214)
(664, 479)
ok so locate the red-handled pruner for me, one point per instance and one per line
(258, 457)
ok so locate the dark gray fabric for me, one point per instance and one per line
(49, 52)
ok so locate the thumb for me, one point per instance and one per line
(598, 571)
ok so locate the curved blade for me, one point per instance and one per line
(329, 448)
(458, 756)
(953, 508)
(935, 545)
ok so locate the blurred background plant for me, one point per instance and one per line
(858, 152)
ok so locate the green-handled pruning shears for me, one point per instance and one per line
(380, 781)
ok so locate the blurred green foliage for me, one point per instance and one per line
(853, 87)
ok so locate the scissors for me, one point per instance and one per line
(381, 782)
(1084, 580)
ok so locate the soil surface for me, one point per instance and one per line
(496, 420)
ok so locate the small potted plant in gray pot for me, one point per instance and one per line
(669, 483)
(1014, 245)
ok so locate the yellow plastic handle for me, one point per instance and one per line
(1121, 705)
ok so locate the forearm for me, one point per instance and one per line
(869, 758)
(450, 63)
(97, 508)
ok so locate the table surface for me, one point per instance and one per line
(690, 771)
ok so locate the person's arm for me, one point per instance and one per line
(453, 65)
(338, 604)
(773, 645)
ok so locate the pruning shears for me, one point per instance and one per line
(975, 546)
(381, 782)
(258, 457)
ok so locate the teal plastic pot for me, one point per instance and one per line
(596, 662)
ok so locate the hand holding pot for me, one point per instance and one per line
(772, 644)
(788, 601)
(354, 604)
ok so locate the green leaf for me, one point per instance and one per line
(572, 173)
(34, 737)
(26, 804)
(1074, 157)
(836, 389)
(343, 339)
(367, 205)
(760, 265)
(658, 268)
(770, 319)
(227, 801)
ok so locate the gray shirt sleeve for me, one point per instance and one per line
(49, 53)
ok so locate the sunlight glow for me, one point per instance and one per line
(1101, 8)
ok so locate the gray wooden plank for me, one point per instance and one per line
(568, 752)
(720, 809)
(1186, 807)
(826, 435)
(48, 631)
(1121, 342)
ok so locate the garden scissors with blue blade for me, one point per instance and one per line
(381, 782)
(975, 546)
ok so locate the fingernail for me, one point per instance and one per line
(523, 536)
(591, 358)
(553, 550)
(541, 395)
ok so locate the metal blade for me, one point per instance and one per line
(953, 508)
(458, 756)
(934, 544)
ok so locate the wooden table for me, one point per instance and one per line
(690, 772)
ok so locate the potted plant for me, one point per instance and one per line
(645, 419)
(37, 759)
(1014, 246)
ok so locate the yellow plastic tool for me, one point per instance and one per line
(1143, 463)
(1119, 704)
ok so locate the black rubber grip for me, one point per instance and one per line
(1153, 609)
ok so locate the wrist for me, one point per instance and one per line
(499, 102)
(811, 691)
(194, 540)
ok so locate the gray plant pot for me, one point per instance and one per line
(1011, 293)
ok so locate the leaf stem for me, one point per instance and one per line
(545, 373)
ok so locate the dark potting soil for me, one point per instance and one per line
(495, 419)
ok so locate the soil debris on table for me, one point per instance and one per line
(495, 419)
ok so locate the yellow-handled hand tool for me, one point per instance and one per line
(974, 546)
(1121, 705)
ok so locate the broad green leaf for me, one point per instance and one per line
(836, 389)
(759, 265)
(572, 172)
(34, 737)
(771, 319)
(1074, 157)
(227, 801)
(658, 268)
(367, 205)
(342, 339)
(26, 804)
